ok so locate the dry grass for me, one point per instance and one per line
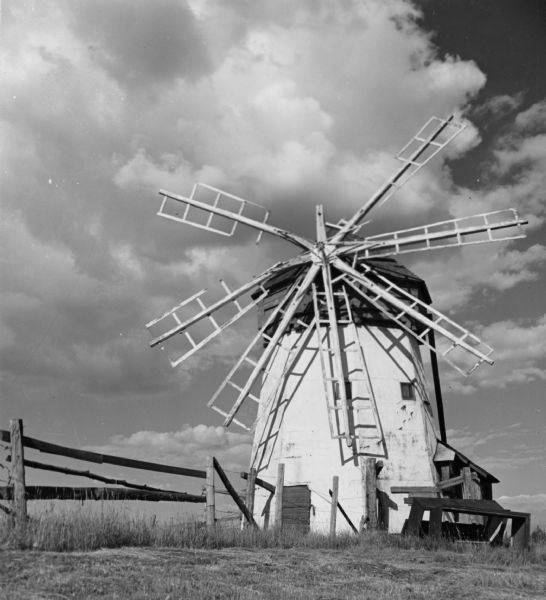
(117, 555)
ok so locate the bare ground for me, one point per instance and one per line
(249, 573)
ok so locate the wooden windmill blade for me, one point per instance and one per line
(435, 135)
(464, 231)
(399, 306)
(299, 289)
(197, 339)
(238, 374)
(295, 296)
(172, 323)
(205, 208)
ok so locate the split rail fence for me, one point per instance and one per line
(17, 492)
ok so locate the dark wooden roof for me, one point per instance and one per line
(362, 311)
(464, 460)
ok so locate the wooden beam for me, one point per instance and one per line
(413, 489)
(345, 515)
(371, 493)
(437, 386)
(448, 483)
(18, 471)
(333, 505)
(38, 465)
(521, 533)
(267, 510)
(233, 493)
(471, 491)
(473, 507)
(250, 490)
(435, 523)
(96, 457)
(383, 506)
(45, 492)
(211, 507)
(263, 484)
(278, 495)
(413, 525)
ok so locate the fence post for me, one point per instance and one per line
(371, 493)
(18, 470)
(333, 506)
(211, 516)
(250, 491)
(278, 495)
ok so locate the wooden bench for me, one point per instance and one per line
(494, 513)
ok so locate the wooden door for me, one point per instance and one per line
(296, 507)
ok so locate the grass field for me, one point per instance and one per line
(118, 556)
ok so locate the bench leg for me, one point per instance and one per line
(414, 519)
(521, 530)
(435, 523)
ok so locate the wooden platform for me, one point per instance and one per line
(495, 516)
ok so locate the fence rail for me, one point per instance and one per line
(18, 492)
(51, 492)
(96, 457)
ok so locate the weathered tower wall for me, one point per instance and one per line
(295, 429)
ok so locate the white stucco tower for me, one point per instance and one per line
(390, 416)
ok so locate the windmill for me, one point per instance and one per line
(334, 375)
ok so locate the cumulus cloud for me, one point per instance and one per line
(533, 503)
(110, 102)
(515, 176)
(507, 451)
(519, 354)
(138, 43)
(454, 279)
(472, 441)
(499, 106)
(188, 447)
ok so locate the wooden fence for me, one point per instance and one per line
(17, 493)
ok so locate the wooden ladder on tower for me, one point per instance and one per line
(361, 409)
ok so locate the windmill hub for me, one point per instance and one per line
(337, 354)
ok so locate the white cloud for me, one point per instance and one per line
(520, 356)
(532, 119)
(499, 106)
(465, 275)
(187, 447)
(533, 503)
(516, 176)
(525, 438)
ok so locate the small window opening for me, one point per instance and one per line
(408, 390)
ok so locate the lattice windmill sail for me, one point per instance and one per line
(334, 373)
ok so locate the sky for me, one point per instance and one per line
(287, 104)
